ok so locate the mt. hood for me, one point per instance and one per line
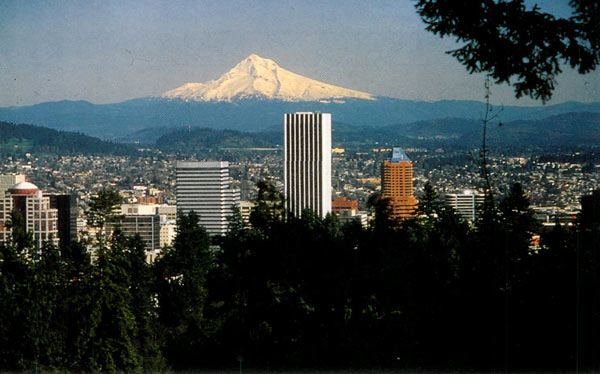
(257, 77)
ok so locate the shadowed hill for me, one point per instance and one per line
(27, 138)
(192, 140)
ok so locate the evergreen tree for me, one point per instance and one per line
(48, 314)
(269, 206)
(146, 338)
(588, 282)
(80, 301)
(429, 202)
(381, 211)
(181, 285)
(17, 351)
(549, 297)
(229, 284)
(108, 343)
(103, 208)
(481, 282)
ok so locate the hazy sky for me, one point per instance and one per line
(109, 51)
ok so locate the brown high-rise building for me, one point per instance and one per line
(397, 184)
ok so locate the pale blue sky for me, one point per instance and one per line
(109, 51)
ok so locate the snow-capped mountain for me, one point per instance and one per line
(257, 77)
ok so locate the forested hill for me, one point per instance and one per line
(190, 140)
(26, 138)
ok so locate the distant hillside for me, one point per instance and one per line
(28, 138)
(569, 129)
(114, 121)
(148, 136)
(202, 139)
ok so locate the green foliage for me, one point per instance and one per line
(16, 277)
(269, 207)
(307, 292)
(112, 323)
(102, 207)
(201, 139)
(429, 203)
(510, 42)
(181, 289)
(382, 212)
(48, 313)
(20, 139)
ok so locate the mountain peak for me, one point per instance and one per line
(255, 66)
(257, 59)
(257, 77)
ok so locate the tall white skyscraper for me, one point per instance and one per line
(307, 160)
(204, 188)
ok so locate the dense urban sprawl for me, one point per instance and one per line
(554, 185)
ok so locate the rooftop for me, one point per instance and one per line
(398, 155)
(22, 188)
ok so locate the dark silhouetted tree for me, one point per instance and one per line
(516, 45)
(181, 275)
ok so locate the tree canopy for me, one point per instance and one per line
(515, 45)
(103, 207)
(309, 293)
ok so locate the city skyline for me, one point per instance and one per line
(112, 51)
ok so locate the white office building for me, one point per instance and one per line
(307, 162)
(465, 203)
(204, 187)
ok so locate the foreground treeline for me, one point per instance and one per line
(307, 292)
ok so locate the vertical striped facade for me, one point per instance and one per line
(146, 226)
(307, 160)
(466, 203)
(203, 187)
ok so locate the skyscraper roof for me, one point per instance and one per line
(24, 188)
(398, 155)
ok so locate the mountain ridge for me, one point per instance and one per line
(113, 121)
(564, 130)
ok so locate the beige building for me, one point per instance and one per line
(245, 210)
(9, 180)
(146, 226)
(156, 224)
(40, 219)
